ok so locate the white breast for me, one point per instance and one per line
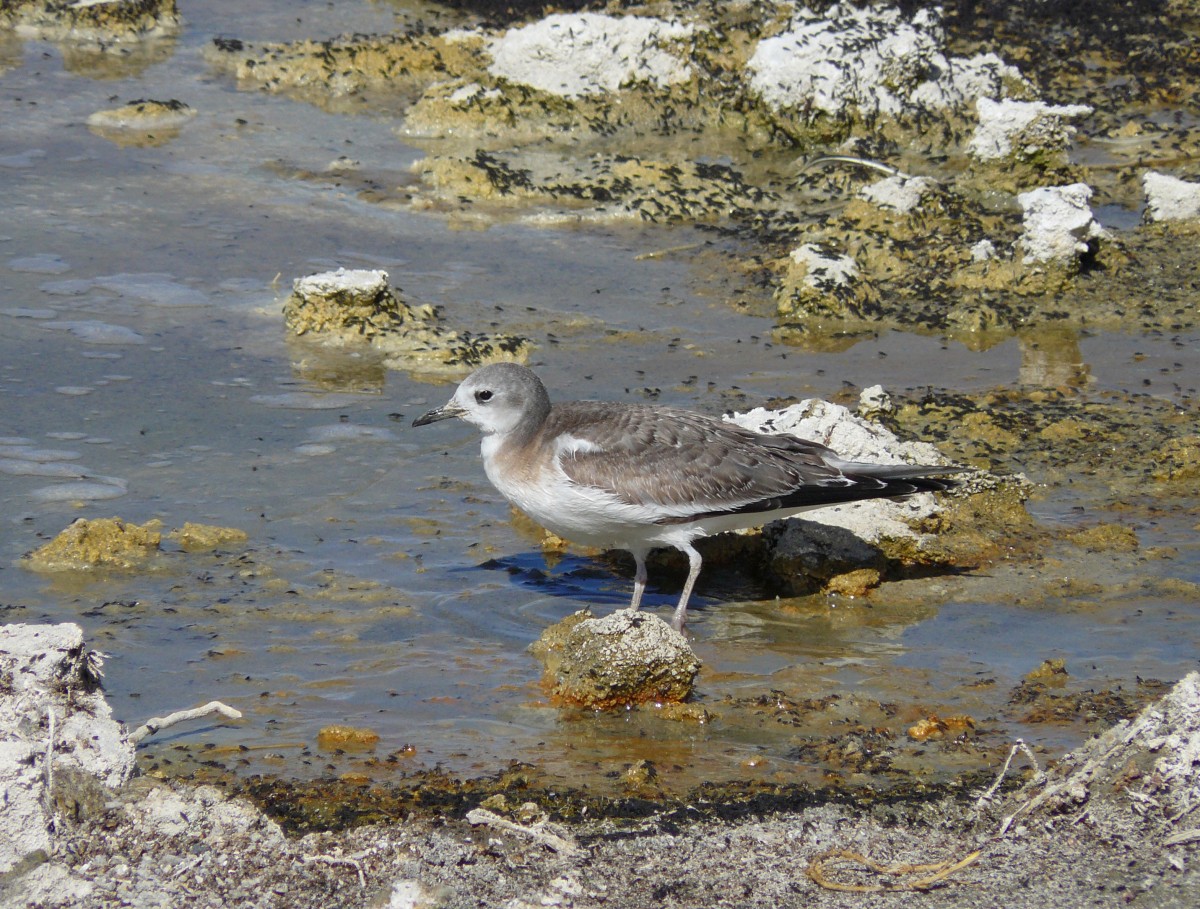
(582, 514)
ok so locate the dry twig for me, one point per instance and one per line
(158, 723)
(538, 832)
(1018, 746)
(1183, 836)
(934, 874)
(338, 860)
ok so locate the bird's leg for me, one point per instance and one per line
(639, 579)
(693, 573)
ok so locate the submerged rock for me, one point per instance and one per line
(110, 543)
(203, 537)
(623, 659)
(341, 736)
(142, 122)
(599, 187)
(348, 307)
(98, 543)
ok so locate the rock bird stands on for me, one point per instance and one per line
(636, 477)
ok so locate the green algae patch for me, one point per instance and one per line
(98, 544)
(1178, 460)
(989, 523)
(1061, 433)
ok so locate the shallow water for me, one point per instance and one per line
(144, 373)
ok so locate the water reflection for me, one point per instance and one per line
(1052, 359)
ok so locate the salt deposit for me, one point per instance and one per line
(1058, 224)
(870, 60)
(1022, 127)
(1170, 199)
(576, 55)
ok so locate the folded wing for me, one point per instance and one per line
(690, 466)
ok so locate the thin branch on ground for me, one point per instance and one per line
(338, 860)
(159, 723)
(934, 874)
(1018, 746)
(538, 832)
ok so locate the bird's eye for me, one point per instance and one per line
(483, 396)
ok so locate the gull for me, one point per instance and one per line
(638, 476)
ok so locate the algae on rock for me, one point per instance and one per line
(98, 543)
(349, 308)
(626, 658)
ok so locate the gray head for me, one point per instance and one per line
(500, 398)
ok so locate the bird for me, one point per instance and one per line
(639, 476)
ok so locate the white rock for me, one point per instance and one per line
(854, 439)
(1058, 223)
(870, 59)
(93, 331)
(357, 281)
(409, 893)
(983, 250)
(49, 671)
(472, 93)
(824, 270)
(1026, 127)
(1170, 199)
(875, 399)
(578, 55)
(202, 811)
(51, 884)
(899, 194)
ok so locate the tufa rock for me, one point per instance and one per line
(352, 307)
(1170, 199)
(620, 660)
(99, 543)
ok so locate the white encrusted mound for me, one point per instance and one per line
(824, 271)
(52, 717)
(1170, 199)
(854, 439)
(899, 193)
(577, 55)
(1022, 127)
(871, 59)
(364, 282)
(1058, 223)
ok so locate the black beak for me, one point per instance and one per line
(445, 412)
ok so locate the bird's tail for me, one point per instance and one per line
(920, 478)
